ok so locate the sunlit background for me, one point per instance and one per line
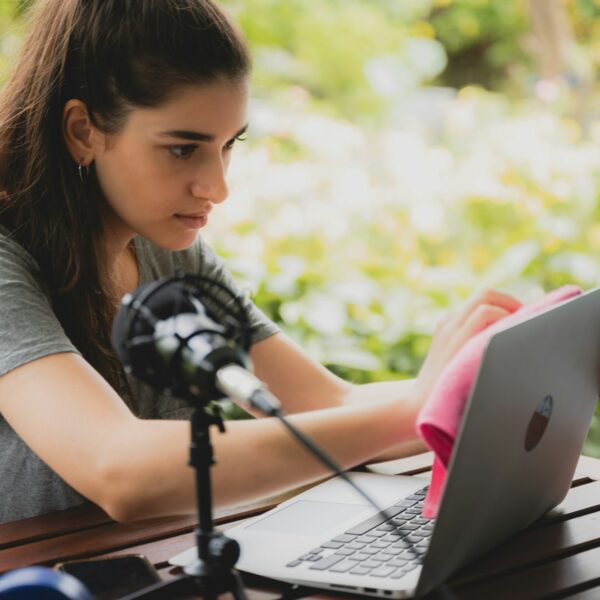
(402, 155)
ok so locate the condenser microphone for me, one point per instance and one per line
(189, 336)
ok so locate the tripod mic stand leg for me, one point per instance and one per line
(237, 586)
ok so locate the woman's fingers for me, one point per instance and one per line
(453, 332)
(491, 298)
(483, 316)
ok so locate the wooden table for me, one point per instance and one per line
(557, 557)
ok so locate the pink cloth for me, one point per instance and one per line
(440, 418)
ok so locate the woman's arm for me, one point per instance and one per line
(302, 384)
(136, 468)
(74, 421)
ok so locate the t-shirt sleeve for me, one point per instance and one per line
(29, 328)
(213, 266)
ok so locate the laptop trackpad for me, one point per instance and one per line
(307, 517)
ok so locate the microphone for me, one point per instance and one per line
(187, 336)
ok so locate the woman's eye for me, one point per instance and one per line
(182, 151)
(229, 145)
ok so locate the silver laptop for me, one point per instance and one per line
(515, 456)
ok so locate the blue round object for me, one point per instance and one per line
(41, 583)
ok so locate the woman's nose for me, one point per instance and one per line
(210, 183)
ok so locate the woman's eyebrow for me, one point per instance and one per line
(197, 136)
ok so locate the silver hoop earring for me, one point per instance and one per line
(83, 177)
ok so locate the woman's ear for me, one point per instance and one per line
(78, 131)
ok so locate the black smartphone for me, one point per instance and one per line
(113, 576)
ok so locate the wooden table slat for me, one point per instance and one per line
(158, 552)
(573, 572)
(579, 500)
(587, 465)
(90, 542)
(539, 544)
(56, 523)
(589, 594)
(411, 465)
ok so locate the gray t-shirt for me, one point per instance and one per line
(30, 330)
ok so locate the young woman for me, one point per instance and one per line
(116, 130)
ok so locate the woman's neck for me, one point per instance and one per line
(121, 265)
(121, 259)
(125, 272)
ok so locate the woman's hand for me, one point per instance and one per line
(452, 333)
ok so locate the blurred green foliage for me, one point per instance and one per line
(536, 226)
(483, 40)
(402, 156)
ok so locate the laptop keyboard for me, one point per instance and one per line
(379, 546)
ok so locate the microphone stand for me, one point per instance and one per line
(212, 573)
(217, 554)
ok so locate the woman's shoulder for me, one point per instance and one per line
(13, 256)
(29, 329)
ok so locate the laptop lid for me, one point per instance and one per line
(524, 427)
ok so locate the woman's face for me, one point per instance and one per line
(165, 170)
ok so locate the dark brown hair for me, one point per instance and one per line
(114, 55)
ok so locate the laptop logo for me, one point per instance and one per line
(538, 423)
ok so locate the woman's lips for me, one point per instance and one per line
(193, 221)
